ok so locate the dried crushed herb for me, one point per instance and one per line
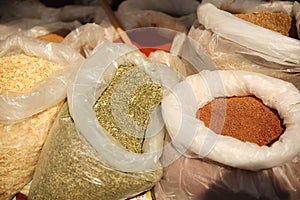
(69, 168)
(123, 108)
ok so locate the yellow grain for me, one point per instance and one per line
(20, 72)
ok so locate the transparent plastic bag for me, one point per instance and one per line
(26, 118)
(46, 93)
(200, 179)
(236, 44)
(184, 11)
(191, 136)
(18, 9)
(86, 37)
(102, 168)
(200, 164)
(69, 168)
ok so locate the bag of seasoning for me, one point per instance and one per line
(251, 35)
(109, 146)
(33, 77)
(236, 134)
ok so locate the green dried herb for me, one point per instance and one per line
(123, 109)
(69, 168)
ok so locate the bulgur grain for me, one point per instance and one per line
(20, 147)
(20, 72)
(278, 22)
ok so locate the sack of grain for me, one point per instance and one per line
(237, 35)
(32, 88)
(109, 146)
(231, 164)
(184, 11)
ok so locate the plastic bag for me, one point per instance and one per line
(86, 37)
(26, 118)
(18, 9)
(101, 167)
(236, 44)
(184, 11)
(191, 135)
(138, 19)
(200, 179)
(17, 26)
(36, 28)
(69, 168)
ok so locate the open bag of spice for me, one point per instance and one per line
(233, 134)
(33, 86)
(255, 36)
(109, 145)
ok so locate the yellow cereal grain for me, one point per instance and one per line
(20, 72)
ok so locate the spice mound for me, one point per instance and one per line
(57, 36)
(278, 22)
(244, 118)
(51, 37)
(20, 72)
(124, 108)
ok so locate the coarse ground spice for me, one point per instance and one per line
(51, 37)
(244, 118)
(20, 72)
(278, 22)
(69, 168)
(131, 95)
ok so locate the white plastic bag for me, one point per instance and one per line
(195, 179)
(104, 169)
(86, 37)
(236, 44)
(46, 93)
(26, 118)
(91, 80)
(190, 136)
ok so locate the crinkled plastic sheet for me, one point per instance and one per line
(17, 26)
(251, 47)
(184, 11)
(256, 40)
(149, 18)
(34, 27)
(48, 92)
(192, 137)
(200, 179)
(242, 6)
(91, 80)
(86, 37)
(16, 9)
(47, 28)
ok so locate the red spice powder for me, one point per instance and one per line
(244, 118)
